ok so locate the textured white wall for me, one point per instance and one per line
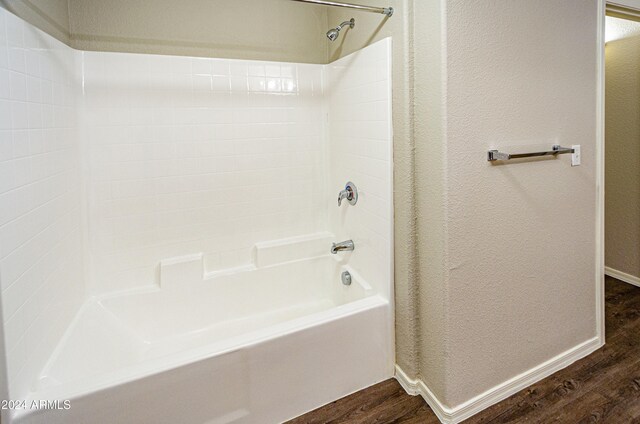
(430, 72)
(622, 156)
(40, 240)
(191, 155)
(360, 143)
(521, 241)
(495, 264)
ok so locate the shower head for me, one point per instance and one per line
(333, 33)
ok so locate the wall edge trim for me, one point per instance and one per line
(622, 276)
(600, 184)
(497, 393)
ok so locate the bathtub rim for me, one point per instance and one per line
(76, 389)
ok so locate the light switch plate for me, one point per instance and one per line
(575, 156)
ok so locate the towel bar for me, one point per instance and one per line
(493, 155)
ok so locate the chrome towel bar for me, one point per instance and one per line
(493, 155)
(384, 10)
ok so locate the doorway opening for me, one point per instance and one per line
(622, 144)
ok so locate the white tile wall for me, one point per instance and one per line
(193, 155)
(40, 242)
(182, 155)
(360, 144)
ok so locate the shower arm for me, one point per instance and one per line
(350, 24)
(384, 10)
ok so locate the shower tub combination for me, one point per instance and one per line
(168, 258)
(255, 345)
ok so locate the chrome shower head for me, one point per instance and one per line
(333, 33)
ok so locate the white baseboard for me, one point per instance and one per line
(501, 391)
(627, 278)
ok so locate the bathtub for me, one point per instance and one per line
(260, 344)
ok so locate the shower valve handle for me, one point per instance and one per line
(350, 193)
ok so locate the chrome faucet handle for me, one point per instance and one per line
(350, 193)
(344, 194)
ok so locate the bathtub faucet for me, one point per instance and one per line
(343, 245)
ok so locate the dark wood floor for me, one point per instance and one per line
(601, 388)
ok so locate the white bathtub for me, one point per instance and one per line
(252, 346)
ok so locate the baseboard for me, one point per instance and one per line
(417, 387)
(500, 392)
(622, 276)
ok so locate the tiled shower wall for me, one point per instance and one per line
(193, 155)
(360, 145)
(40, 242)
(110, 163)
